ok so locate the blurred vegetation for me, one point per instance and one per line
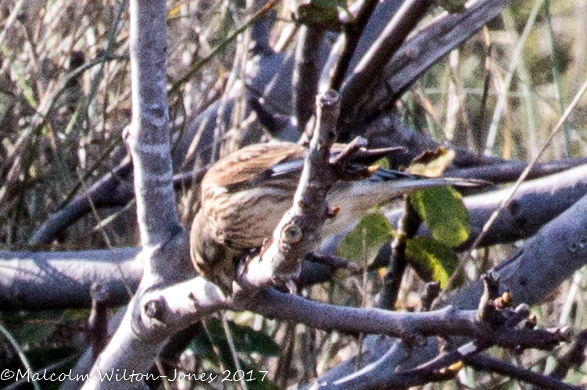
(60, 133)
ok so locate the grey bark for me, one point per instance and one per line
(537, 202)
(537, 268)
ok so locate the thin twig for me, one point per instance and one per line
(487, 363)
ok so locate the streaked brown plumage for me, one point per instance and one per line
(245, 194)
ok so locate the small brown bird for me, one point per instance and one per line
(245, 194)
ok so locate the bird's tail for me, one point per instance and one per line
(388, 175)
(386, 184)
(356, 198)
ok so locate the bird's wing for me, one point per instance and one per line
(251, 164)
(363, 157)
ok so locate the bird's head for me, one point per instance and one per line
(209, 257)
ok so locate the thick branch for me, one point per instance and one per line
(148, 138)
(428, 46)
(306, 73)
(164, 243)
(536, 269)
(357, 88)
(175, 307)
(299, 229)
(408, 326)
(47, 280)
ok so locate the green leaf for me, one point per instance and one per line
(445, 214)
(383, 163)
(365, 240)
(246, 340)
(452, 6)
(432, 163)
(433, 258)
(323, 14)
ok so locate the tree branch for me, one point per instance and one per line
(484, 362)
(165, 249)
(428, 46)
(537, 202)
(299, 229)
(49, 280)
(410, 327)
(306, 74)
(148, 136)
(357, 88)
(536, 269)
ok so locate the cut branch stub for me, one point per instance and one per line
(292, 234)
(299, 229)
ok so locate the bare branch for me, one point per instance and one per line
(300, 227)
(573, 358)
(428, 46)
(148, 137)
(306, 74)
(110, 191)
(357, 88)
(407, 228)
(411, 327)
(344, 48)
(509, 171)
(98, 321)
(165, 247)
(49, 280)
(177, 306)
(484, 362)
